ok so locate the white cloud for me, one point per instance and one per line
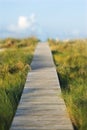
(23, 23)
(26, 26)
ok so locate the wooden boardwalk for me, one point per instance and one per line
(41, 106)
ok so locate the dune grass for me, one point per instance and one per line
(14, 65)
(70, 58)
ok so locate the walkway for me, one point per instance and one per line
(41, 106)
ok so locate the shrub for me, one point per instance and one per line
(14, 65)
(71, 62)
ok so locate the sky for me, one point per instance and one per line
(59, 19)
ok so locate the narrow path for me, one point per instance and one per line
(41, 106)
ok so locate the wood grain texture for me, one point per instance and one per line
(41, 106)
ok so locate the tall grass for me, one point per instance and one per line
(14, 65)
(71, 63)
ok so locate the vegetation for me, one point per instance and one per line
(14, 64)
(71, 63)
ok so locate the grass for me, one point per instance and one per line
(14, 65)
(70, 58)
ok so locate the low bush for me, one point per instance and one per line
(71, 63)
(14, 65)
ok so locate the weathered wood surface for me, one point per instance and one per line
(41, 106)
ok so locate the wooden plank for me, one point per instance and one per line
(41, 106)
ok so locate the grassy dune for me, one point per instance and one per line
(14, 65)
(71, 63)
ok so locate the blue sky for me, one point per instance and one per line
(62, 19)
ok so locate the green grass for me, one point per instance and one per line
(14, 65)
(71, 63)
